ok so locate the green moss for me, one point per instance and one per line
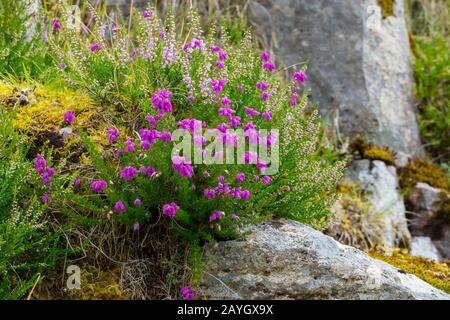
(421, 170)
(97, 284)
(436, 274)
(39, 113)
(374, 152)
(387, 7)
(371, 151)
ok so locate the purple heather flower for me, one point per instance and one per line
(226, 112)
(191, 99)
(113, 135)
(98, 186)
(240, 88)
(77, 182)
(147, 14)
(169, 209)
(162, 34)
(220, 64)
(250, 157)
(234, 217)
(182, 166)
(69, 117)
(267, 115)
(264, 96)
(216, 215)
(95, 47)
(209, 194)
(56, 24)
(265, 56)
(226, 101)
(45, 198)
(118, 153)
(129, 146)
(62, 66)
(271, 139)
(150, 171)
(187, 293)
(240, 177)
(293, 99)
(161, 102)
(261, 165)
(300, 77)
(44, 170)
(265, 180)
(261, 85)
(137, 227)
(245, 195)
(249, 126)
(251, 112)
(128, 173)
(221, 179)
(269, 66)
(215, 48)
(222, 55)
(235, 122)
(217, 85)
(119, 207)
(151, 120)
(137, 202)
(165, 136)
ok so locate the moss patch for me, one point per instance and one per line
(387, 7)
(97, 284)
(421, 170)
(371, 151)
(436, 274)
(39, 112)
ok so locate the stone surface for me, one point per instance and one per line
(381, 184)
(283, 259)
(425, 248)
(65, 133)
(425, 204)
(359, 63)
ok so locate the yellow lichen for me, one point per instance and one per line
(97, 284)
(421, 170)
(41, 116)
(371, 151)
(387, 7)
(436, 274)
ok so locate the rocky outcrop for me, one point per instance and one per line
(381, 184)
(424, 247)
(429, 215)
(359, 63)
(283, 259)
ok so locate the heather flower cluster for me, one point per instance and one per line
(44, 170)
(160, 86)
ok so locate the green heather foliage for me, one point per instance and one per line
(22, 53)
(432, 72)
(27, 243)
(150, 80)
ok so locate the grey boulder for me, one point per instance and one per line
(283, 259)
(359, 64)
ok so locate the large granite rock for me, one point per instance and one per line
(283, 259)
(359, 70)
(380, 182)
